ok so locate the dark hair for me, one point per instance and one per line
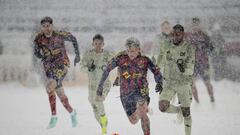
(46, 19)
(195, 20)
(99, 37)
(178, 27)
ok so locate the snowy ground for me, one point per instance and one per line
(25, 111)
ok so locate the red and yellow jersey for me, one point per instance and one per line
(52, 49)
(202, 44)
(133, 73)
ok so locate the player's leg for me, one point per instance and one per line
(130, 106)
(195, 91)
(65, 102)
(99, 113)
(197, 70)
(165, 98)
(142, 108)
(50, 87)
(207, 82)
(184, 95)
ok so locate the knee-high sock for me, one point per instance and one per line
(52, 101)
(210, 90)
(66, 104)
(195, 94)
(188, 125)
(96, 113)
(145, 122)
(173, 109)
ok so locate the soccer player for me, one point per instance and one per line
(134, 91)
(50, 48)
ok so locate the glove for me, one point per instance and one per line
(99, 91)
(180, 65)
(91, 67)
(76, 59)
(159, 87)
(116, 81)
(144, 92)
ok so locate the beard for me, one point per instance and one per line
(176, 42)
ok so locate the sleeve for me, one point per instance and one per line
(160, 56)
(190, 61)
(84, 62)
(110, 66)
(155, 70)
(37, 49)
(67, 36)
(209, 44)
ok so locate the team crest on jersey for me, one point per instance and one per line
(182, 53)
(126, 75)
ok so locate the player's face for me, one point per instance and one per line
(177, 37)
(133, 52)
(166, 28)
(47, 29)
(98, 45)
(195, 27)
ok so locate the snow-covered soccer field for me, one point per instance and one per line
(25, 111)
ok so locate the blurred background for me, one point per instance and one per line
(116, 20)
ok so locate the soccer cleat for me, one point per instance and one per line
(74, 118)
(53, 122)
(212, 99)
(104, 122)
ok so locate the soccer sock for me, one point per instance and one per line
(52, 101)
(145, 122)
(173, 109)
(66, 104)
(188, 125)
(195, 94)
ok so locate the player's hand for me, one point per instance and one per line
(159, 87)
(180, 64)
(91, 67)
(76, 59)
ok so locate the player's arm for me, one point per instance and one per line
(67, 36)
(37, 49)
(157, 75)
(190, 61)
(160, 56)
(110, 66)
(84, 62)
(209, 44)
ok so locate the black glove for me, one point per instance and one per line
(91, 67)
(76, 59)
(159, 87)
(116, 81)
(180, 64)
(99, 91)
(144, 92)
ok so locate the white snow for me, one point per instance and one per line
(26, 111)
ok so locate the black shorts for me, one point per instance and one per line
(129, 101)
